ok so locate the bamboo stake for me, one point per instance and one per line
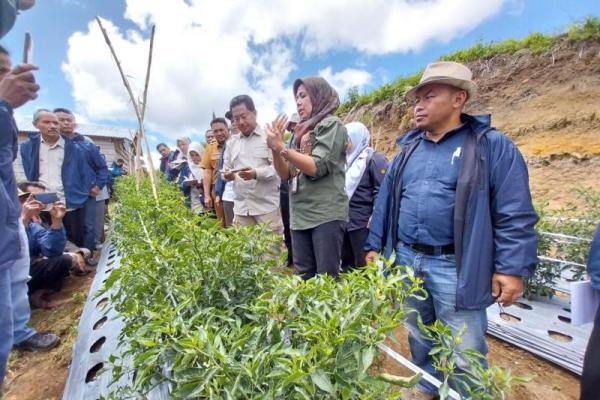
(136, 164)
(143, 112)
(145, 95)
(135, 104)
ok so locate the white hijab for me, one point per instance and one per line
(358, 157)
(184, 139)
(195, 170)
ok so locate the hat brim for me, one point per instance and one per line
(468, 86)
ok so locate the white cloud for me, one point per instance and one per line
(206, 52)
(346, 79)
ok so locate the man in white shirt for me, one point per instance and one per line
(52, 152)
(60, 166)
(248, 163)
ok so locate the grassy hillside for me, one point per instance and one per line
(536, 43)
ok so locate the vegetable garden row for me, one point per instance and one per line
(208, 313)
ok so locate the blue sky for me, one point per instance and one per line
(208, 52)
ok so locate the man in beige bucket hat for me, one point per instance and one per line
(447, 73)
(455, 206)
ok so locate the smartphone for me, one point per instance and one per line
(46, 197)
(235, 171)
(28, 49)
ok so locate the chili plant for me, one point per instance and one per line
(466, 370)
(203, 312)
(578, 220)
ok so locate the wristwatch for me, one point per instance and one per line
(284, 152)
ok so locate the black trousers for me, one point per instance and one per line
(591, 364)
(49, 273)
(353, 255)
(318, 250)
(74, 223)
(284, 201)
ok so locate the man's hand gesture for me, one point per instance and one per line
(57, 213)
(31, 208)
(18, 86)
(506, 289)
(247, 174)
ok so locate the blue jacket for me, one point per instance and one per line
(593, 264)
(46, 242)
(10, 246)
(220, 182)
(76, 182)
(494, 217)
(115, 170)
(166, 169)
(187, 190)
(184, 173)
(96, 170)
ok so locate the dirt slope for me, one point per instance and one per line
(548, 104)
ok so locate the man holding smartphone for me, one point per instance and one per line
(16, 88)
(248, 162)
(49, 265)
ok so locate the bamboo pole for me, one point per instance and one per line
(135, 104)
(143, 113)
(136, 165)
(145, 95)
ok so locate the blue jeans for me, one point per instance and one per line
(89, 224)
(6, 321)
(440, 281)
(19, 292)
(14, 303)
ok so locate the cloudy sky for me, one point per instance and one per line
(206, 52)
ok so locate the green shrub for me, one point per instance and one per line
(589, 29)
(579, 220)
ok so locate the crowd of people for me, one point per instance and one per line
(62, 214)
(244, 174)
(454, 203)
(52, 224)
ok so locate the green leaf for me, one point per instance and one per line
(444, 390)
(402, 381)
(367, 358)
(322, 381)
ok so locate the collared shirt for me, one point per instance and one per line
(257, 196)
(428, 190)
(51, 161)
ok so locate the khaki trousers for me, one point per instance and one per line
(272, 219)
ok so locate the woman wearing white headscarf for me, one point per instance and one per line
(365, 169)
(190, 178)
(183, 144)
(179, 158)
